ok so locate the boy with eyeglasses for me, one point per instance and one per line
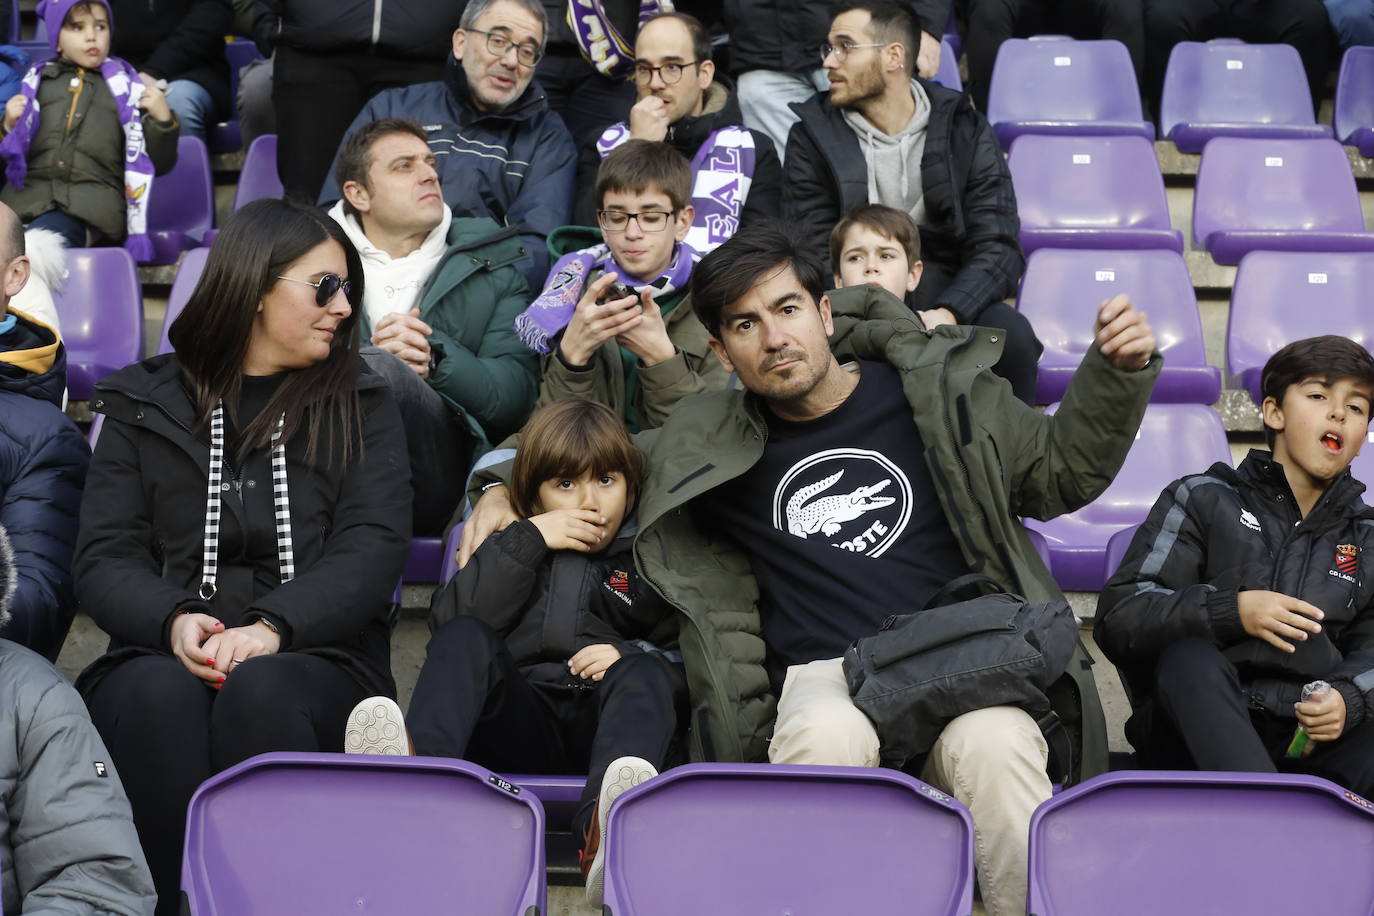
(614, 322)
(736, 174)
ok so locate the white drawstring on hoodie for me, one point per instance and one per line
(393, 284)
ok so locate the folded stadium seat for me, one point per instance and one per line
(1354, 114)
(1137, 843)
(1276, 195)
(1062, 290)
(258, 177)
(1174, 440)
(1090, 192)
(1231, 89)
(949, 69)
(363, 834)
(747, 839)
(1117, 547)
(1283, 296)
(181, 205)
(101, 307)
(188, 275)
(1062, 86)
(224, 136)
(425, 560)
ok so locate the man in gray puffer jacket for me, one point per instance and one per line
(67, 839)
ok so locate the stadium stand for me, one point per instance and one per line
(1230, 89)
(259, 175)
(1061, 86)
(1354, 112)
(101, 306)
(188, 275)
(181, 206)
(1090, 192)
(1062, 290)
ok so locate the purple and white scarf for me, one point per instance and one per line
(127, 88)
(722, 171)
(601, 43)
(553, 309)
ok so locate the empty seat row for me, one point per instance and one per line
(430, 835)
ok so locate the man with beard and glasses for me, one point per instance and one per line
(499, 150)
(884, 136)
(736, 176)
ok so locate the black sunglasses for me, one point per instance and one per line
(325, 287)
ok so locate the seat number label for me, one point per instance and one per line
(1273, 162)
(1105, 276)
(1235, 65)
(1316, 278)
(1063, 61)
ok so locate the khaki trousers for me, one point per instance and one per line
(993, 760)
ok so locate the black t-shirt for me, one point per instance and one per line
(841, 523)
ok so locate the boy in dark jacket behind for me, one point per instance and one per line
(1243, 585)
(550, 654)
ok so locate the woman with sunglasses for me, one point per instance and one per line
(245, 519)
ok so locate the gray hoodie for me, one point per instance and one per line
(894, 162)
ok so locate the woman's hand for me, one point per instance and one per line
(189, 635)
(236, 645)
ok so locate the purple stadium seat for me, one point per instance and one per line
(101, 307)
(93, 434)
(181, 206)
(425, 560)
(188, 275)
(224, 136)
(1282, 296)
(949, 68)
(1062, 289)
(1174, 440)
(550, 790)
(1355, 99)
(1061, 86)
(259, 175)
(1230, 89)
(1137, 843)
(748, 839)
(1042, 549)
(1276, 195)
(365, 834)
(951, 36)
(1090, 192)
(449, 565)
(1116, 549)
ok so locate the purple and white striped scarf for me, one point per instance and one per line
(722, 171)
(553, 309)
(601, 43)
(127, 88)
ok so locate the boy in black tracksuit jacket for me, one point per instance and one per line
(1243, 585)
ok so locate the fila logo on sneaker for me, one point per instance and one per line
(1248, 520)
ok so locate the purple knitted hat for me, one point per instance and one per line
(55, 11)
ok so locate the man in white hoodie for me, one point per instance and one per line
(440, 297)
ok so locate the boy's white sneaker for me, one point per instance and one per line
(376, 726)
(623, 773)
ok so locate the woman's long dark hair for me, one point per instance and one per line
(257, 244)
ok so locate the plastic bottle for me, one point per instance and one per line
(1313, 691)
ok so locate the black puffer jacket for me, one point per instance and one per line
(970, 239)
(720, 109)
(43, 459)
(138, 560)
(1216, 534)
(177, 39)
(787, 34)
(548, 604)
(418, 29)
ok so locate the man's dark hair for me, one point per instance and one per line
(889, 222)
(1330, 358)
(355, 156)
(14, 237)
(635, 166)
(727, 274)
(701, 38)
(893, 23)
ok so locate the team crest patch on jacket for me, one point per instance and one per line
(1347, 559)
(619, 583)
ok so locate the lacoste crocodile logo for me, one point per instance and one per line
(826, 514)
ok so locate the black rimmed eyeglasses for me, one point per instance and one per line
(325, 287)
(528, 53)
(671, 74)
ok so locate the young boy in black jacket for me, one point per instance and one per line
(1243, 585)
(549, 654)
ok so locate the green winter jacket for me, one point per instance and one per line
(992, 459)
(76, 157)
(482, 370)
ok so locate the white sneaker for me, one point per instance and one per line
(622, 774)
(376, 726)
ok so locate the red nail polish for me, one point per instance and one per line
(210, 662)
(221, 679)
(217, 686)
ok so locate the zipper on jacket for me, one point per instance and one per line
(376, 22)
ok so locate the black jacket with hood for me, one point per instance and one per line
(970, 241)
(787, 34)
(138, 560)
(1213, 535)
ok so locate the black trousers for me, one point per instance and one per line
(1300, 23)
(991, 22)
(587, 102)
(471, 702)
(1202, 720)
(316, 96)
(167, 732)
